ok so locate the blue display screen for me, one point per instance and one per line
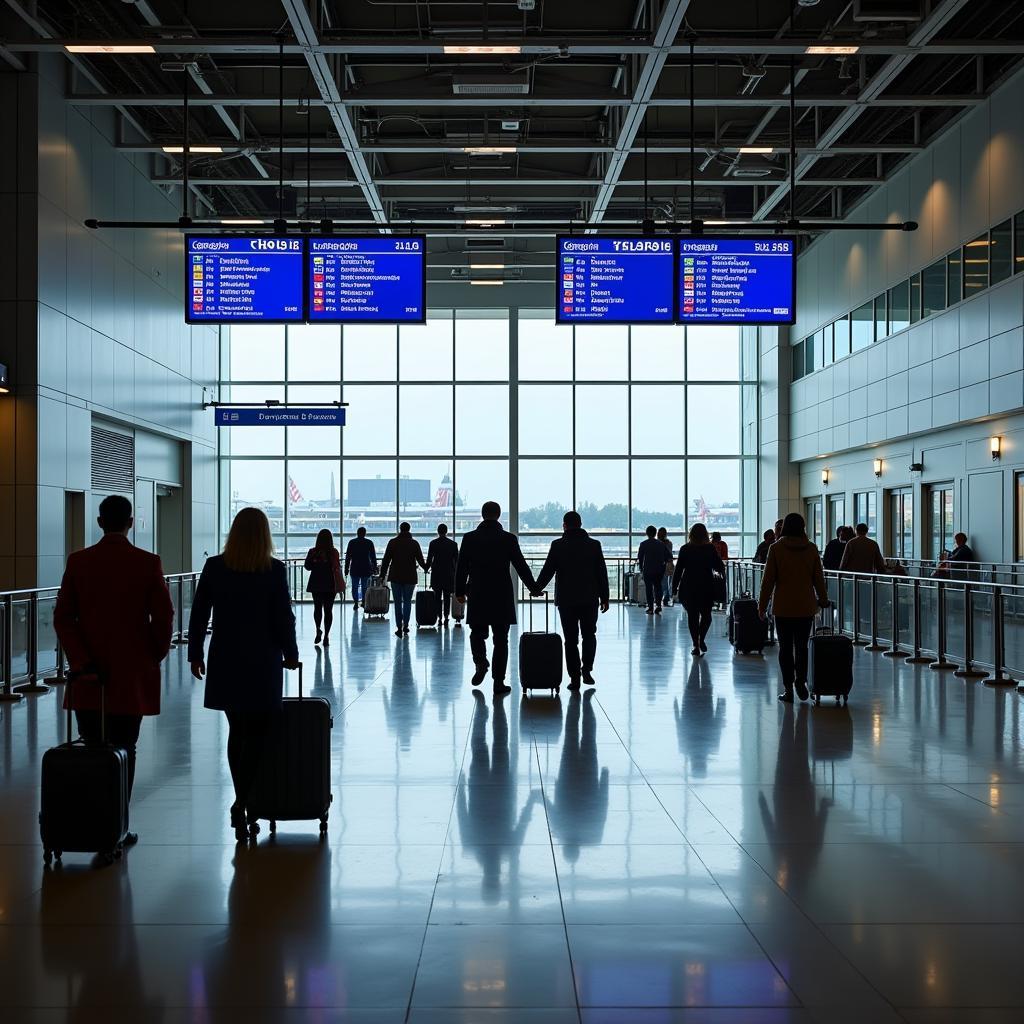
(614, 280)
(281, 416)
(737, 280)
(252, 279)
(367, 280)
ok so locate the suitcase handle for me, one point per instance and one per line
(300, 679)
(545, 612)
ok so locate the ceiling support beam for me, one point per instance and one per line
(302, 26)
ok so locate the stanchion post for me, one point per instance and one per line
(998, 677)
(58, 678)
(32, 684)
(917, 658)
(968, 671)
(857, 642)
(874, 645)
(178, 636)
(7, 695)
(894, 648)
(941, 663)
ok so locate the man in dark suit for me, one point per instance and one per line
(576, 563)
(442, 557)
(361, 562)
(482, 574)
(114, 618)
(652, 557)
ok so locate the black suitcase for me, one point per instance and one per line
(84, 796)
(831, 664)
(730, 625)
(294, 778)
(749, 632)
(426, 608)
(540, 657)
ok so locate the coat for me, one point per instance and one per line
(693, 579)
(576, 563)
(862, 554)
(114, 614)
(324, 572)
(442, 557)
(793, 580)
(832, 556)
(360, 557)
(483, 574)
(652, 557)
(253, 635)
(401, 557)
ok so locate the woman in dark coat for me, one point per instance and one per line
(253, 641)
(693, 581)
(325, 581)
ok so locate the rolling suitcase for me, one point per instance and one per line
(84, 796)
(293, 782)
(540, 657)
(376, 600)
(830, 661)
(426, 607)
(458, 610)
(746, 630)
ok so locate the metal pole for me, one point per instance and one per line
(8, 695)
(59, 678)
(179, 636)
(940, 663)
(968, 671)
(917, 658)
(894, 648)
(857, 642)
(874, 645)
(998, 677)
(32, 685)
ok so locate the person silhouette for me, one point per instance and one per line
(579, 809)
(700, 722)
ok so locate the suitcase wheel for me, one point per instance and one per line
(323, 825)
(47, 857)
(273, 827)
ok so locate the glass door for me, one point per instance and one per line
(901, 523)
(940, 519)
(865, 511)
(836, 513)
(814, 523)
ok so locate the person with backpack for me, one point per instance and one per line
(325, 583)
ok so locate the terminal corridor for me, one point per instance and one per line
(676, 845)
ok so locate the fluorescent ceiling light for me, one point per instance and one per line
(834, 51)
(111, 48)
(487, 150)
(757, 149)
(484, 222)
(193, 149)
(487, 266)
(241, 220)
(486, 280)
(977, 241)
(483, 48)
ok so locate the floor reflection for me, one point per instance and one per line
(700, 720)
(403, 706)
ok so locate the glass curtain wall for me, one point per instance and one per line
(629, 425)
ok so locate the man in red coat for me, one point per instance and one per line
(114, 619)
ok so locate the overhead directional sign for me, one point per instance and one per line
(606, 280)
(243, 279)
(736, 280)
(380, 279)
(280, 416)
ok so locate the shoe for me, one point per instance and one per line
(574, 683)
(500, 689)
(327, 640)
(787, 697)
(398, 632)
(130, 839)
(588, 679)
(696, 651)
(703, 647)
(406, 631)
(657, 611)
(319, 637)
(650, 611)
(480, 674)
(801, 689)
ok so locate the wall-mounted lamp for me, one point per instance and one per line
(5, 380)
(995, 445)
(878, 467)
(824, 477)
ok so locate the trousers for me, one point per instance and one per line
(247, 734)
(579, 620)
(323, 608)
(793, 634)
(122, 731)
(402, 594)
(478, 647)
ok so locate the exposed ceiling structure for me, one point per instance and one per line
(383, 124)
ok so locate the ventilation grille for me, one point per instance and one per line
(484, 85)
(113, 461)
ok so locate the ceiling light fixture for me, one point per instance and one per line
(486, 280)
(481, 48)
(110, 48)
(487, 150)
(193, 149)
(239, 221)
(757, 149)
(832, 51)
(483, 222)
(487, 266)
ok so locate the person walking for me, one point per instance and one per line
(794, 583)
(720, 546)
(861, 553)
(767, 540)
(652, 556)
(694, 582)
(398, 568)
(442, 557)
(832, 556)
(576, 563)
(245, 590)
(325, 583)
(114, 618)
(666, 579)
(361, 562)
(483, 575)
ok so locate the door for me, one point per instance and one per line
(814, 522)
(169, 527)
(901, 523)
(865, 511)
(939, 502)
(74, 522)
(143, 533)
(836, 513)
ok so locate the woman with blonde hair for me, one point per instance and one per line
(696, 562)
(253, 641)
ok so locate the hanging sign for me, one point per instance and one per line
(280, 416)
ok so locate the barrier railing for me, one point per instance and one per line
(970, 627)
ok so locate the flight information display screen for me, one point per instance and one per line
(243, 279)
(367, 280)
(736, 280)
(606, 280)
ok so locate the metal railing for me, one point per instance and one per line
(969, 626)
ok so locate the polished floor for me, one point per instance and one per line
(677, 846)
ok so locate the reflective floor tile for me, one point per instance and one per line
(698, 1015)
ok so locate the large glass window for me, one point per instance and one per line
(940, 519)
(899, 307)
(976, 265)
(901, 523)
(862, 326)
(865, 511)
(933, 288)
(629, 425)
(1001, 252)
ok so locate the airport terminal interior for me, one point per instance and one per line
(363, 263)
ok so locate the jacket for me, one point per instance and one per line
(576, 563)
(964, 553)
(442, 557)
(832, 556)
(761, 554)
(652, 556)
(253, 635)
(693, 579)
(483, 574)
(114, 614)
(862, 554)
(793, 580)
(722, 548)
(324, 571)
(401, 557)
(360, 557)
